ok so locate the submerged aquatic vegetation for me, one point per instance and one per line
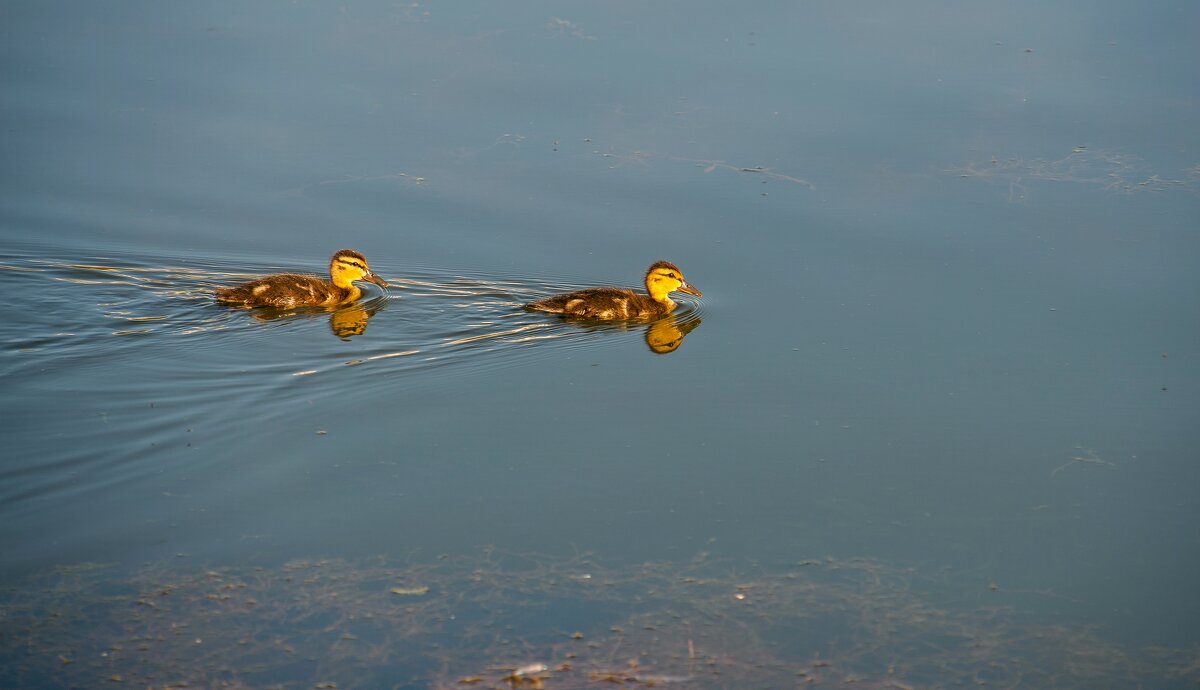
(509, 621)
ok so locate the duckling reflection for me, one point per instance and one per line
(665, 335)
(350, 320)
(345, 322)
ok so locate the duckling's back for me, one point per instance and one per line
(600, 303)
(283, 291)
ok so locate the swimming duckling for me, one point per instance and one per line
(662, 278)
(287, 290)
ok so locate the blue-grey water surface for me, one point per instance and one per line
(949, 257)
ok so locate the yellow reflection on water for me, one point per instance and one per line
(666, 335)
(345, 321)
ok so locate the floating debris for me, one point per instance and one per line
(410, 591)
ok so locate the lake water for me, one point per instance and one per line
(944, 374)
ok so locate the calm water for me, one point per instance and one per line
(949, 255)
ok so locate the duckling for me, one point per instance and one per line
(662, 278)
(287, 290)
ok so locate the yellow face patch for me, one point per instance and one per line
(346, 270)
(662, 282)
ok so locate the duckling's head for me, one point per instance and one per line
(347, 266)
(663, 278)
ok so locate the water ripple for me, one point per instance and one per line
(140, 351)
(94, 307)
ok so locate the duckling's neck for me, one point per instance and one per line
(667, 303)
(342, 281)
(659, 295)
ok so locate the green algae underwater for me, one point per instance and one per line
(506, 620)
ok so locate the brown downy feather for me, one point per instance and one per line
(284, 290)
(601, 303)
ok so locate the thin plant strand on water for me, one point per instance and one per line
(1088, 457)
(498, 620)
(706, 166)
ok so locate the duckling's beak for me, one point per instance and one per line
(372, 278)
(684, 287)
